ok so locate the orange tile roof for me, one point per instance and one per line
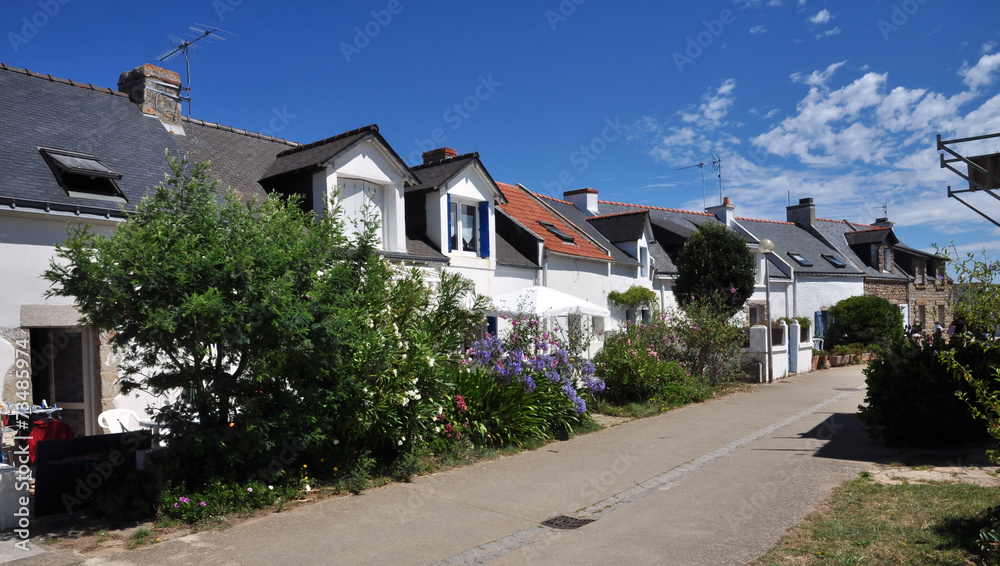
(842, 221)
(559, 200)
(526, 210)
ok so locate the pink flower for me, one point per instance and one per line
(250, 489)
(177, 504)
(732, 289)
(202, 504)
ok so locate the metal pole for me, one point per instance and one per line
(770, 354)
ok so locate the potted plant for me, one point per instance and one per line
(838, 356)
(815, 359)
(824, 357)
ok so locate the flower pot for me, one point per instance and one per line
(815, 363)
(837, 361)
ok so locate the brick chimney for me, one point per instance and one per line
(438, 154)
(157, 92)
(802, 214)
(724, 212)
(584, 199)
(884, 223)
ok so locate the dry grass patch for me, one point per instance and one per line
(869, 523)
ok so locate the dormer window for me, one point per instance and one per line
(886, 260)
(834, 261)
(468, 227)
(83, 176)
(799, 259)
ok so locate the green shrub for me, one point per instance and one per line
(217, 499)
(865, 319)
(911, 398)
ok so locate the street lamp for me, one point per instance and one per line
(766, 247)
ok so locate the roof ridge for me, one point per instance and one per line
(764, 220)
(231, 129)
(540, 195)
(626, 213)
(872, 228)
(69, 82)
(651, 207)
(470, 155)
(303, 147)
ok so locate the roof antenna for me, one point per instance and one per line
(717, 166)
(701, 165)
(184, 46)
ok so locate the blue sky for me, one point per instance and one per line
(838, 101)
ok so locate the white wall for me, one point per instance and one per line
(27, 244)
(820, 293)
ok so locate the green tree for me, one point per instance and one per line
(865, 319)
(283, 336)
(715, 268)
(978, 294)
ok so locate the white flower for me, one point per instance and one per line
(406, 401)
(414, 381)
(336, 442)
(394, 372)
(440, 410)
(404, 355)
(400, 443)
(370, 323)
(430, 361)
(308, 488)
(271, 487)
(320, 273)
(437, 429)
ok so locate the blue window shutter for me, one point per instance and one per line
(484, 228)
(448, 235)
(491, 325)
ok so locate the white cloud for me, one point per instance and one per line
(758, 29)
(714, 107)
(981, 74)
(818, 78)
(829, 33)
(989, 47)
(821, 17)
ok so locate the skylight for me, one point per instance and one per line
(559, 233)
(834, 261)
(799, 259)
(83, 175)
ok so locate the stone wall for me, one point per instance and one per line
(893, 292)
(934, 299)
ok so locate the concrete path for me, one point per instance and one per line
(714, 483)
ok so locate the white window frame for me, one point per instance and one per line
(457, 224)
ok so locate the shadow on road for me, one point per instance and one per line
(846, 439)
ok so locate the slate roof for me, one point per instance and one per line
(309, 157)
(671, 228)
(43, 111)
(239, 158)
(625, 226)
(871, 236)
(790, 238)
(516, 245)
(836, 232)
(579, 220)
(418, 249)
(523, 207)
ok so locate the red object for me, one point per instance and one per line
(46, 430)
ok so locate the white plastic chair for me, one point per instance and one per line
(114, 419)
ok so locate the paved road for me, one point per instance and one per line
(715, 483)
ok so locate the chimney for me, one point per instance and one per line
(802, 214)
(438, 154)
(883, 223)
(157, 92)
(584, 199)
(724, 211)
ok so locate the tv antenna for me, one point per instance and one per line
(700, 165)
(884, 207)
(184, 46)
(717, 166)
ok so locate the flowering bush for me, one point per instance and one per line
(639, 363)
(523, 385)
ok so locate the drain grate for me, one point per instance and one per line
(564, 522)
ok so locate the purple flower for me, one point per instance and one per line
(250, 489)
(202, 504)
(177, 504)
